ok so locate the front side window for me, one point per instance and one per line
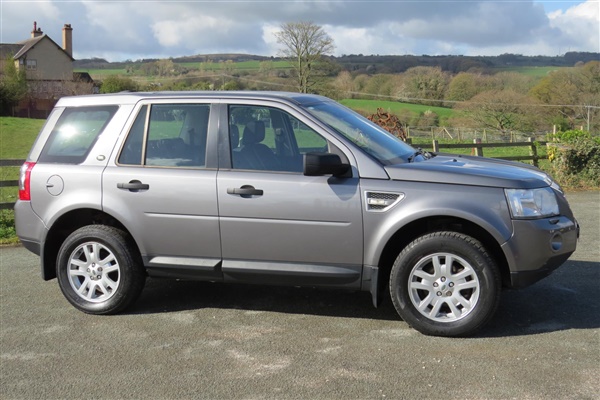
(371, 138)
(168, 135)
(75, 133)
(270, 139)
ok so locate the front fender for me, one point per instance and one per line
(483, 206)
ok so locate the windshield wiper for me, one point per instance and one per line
(425, 154)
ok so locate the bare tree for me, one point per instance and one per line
(504, 110)
(305, 43)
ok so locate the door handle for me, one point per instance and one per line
(133, 186)
(245, 191)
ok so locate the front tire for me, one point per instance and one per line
(99, 270)
(445, 284)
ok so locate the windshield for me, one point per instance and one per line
(369, 136)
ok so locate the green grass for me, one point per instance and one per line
(16, 138)
(237, 66)
(101, 73)
(17, 135)
(395, 107)
(536, 72)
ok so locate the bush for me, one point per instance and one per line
(575, 157)
(115, 84)
(7, 227)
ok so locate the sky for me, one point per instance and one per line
(120, 30)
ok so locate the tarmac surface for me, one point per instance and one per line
(200, 340)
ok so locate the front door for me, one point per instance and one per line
(278, 225)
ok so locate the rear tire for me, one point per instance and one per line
(445, 284)
(99, 270)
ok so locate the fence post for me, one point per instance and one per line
(436, 146)
(533, 151)
(478, 149)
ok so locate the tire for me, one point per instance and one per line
(99, 270)
(441, 301)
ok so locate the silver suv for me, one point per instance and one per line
(282, 189)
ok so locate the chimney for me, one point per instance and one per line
(36, 31)
(67, 39)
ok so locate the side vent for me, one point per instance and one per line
(382, 201)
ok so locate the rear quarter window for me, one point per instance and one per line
(75, 133)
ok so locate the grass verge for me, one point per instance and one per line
(16, 138)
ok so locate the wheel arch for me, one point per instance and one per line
(409, 232)
(64, 226)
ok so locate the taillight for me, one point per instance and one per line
(25, 181)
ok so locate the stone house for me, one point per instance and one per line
(49, 71)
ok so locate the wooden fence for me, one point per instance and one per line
(477, 147)
(9, 163)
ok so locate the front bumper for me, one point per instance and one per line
(538, 247)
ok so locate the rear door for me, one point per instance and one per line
(161, 185)
(277, 225)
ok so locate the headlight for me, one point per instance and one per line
(532, 203)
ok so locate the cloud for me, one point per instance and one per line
(47, 14)
(117, 30)
(579, 26)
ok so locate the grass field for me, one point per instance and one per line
(536, 72)
(237, 66)
(16, 138)
(101, 73)
(395, 107)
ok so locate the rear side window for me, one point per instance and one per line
(168, 135)
(75, 133)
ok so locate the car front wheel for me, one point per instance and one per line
(99, 271)
(445, 284)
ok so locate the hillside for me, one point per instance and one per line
(377, 63)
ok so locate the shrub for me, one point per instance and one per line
(7, 227)
(575, 157)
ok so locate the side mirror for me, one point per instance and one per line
(316, 164)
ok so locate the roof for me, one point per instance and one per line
(21, 48)
(82, 77)
(9, 49)
(134, 97)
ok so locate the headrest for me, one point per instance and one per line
(234, 136)
(254, 132)
(195, 125)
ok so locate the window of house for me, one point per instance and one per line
(32, 64)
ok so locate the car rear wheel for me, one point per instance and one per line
(99, 271)
(445, 284)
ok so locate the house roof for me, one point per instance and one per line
(21, 48)
(9, 49)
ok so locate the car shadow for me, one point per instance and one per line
(567, 299)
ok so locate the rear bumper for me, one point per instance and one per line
(31, 231)
(538, 247)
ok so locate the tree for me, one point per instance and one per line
(426, 83)
(574, 95)
(13, 86)
(504, 110)
(305, 44)
(464, 86)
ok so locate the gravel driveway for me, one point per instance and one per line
(203, 340)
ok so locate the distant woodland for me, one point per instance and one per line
(384, 63)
